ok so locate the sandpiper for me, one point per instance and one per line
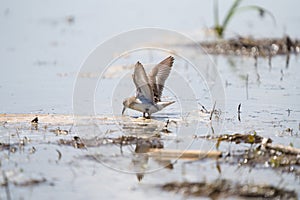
(149, 88)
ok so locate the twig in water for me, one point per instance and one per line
(167, 123)
(287, 60)
(70, 129)
(247, 79)
(239, 112)
(203, 108)
(8, 197)
(9, 149)
(59, 155)
(227, 83)
(212, 111)
(212, 130)
(289, 111)
(4, 124)
(281, 72)
(289, 44)
(184, 118)
(165, 129)
(270, 61)
(255, 59)
(258, 77)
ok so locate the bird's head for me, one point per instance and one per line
(126, 103)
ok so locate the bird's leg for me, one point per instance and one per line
(148, 116)
(147, 111)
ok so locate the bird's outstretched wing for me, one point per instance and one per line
(140, 79)
(158, 76)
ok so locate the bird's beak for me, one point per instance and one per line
(124, 108)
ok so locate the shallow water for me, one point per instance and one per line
(40, 59)
(78, 173)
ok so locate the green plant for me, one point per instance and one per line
(220, 28)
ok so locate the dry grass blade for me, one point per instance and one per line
(284, 149)
(212, 111)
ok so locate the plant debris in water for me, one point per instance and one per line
(77, 142)
(264, 154)
(13, 147)
(253, 47)
(224, 189)
(153, 142)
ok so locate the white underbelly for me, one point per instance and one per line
(147, 108)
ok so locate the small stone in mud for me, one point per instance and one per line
(75, 142)
(32, 150)
(70, 19)
(78, 144)
(13, 149)
(59, 131)
(35, 120)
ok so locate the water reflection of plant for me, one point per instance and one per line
(235, 8)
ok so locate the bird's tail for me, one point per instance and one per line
(162, 104)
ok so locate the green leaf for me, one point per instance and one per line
(230, 13)
(261, 11)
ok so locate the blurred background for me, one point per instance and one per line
(44, 43)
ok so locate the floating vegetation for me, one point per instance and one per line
(250, 138)
(224, 188)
